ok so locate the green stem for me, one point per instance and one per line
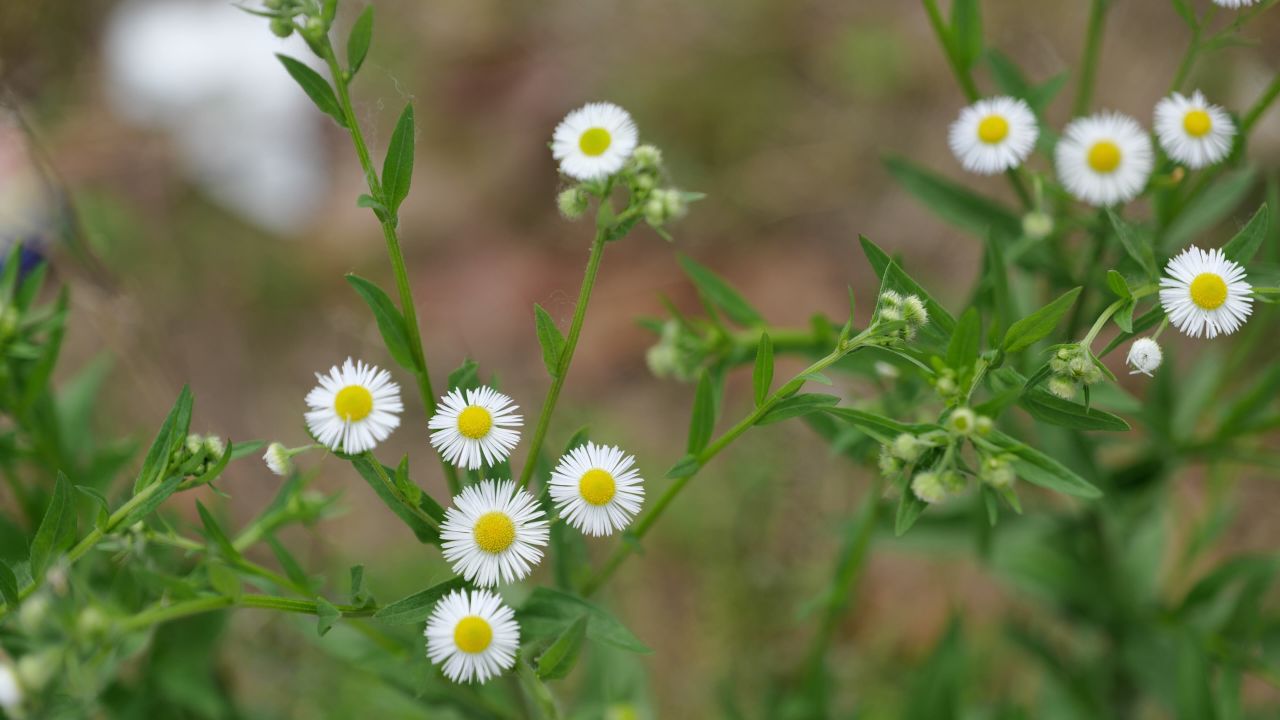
(421, 373)
(1261, 106)
(166, 613)
(1193, 51)
(566, 356)
(395, 491)
(1092, 49)
(655, 511)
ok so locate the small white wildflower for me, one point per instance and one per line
(1194, 131)
(354, 407)
(594, 141)
(472, 635)
(1204, 293)
(475, 427)
(994, 135)
(1104, 159)
(493, 533)
(597, 489)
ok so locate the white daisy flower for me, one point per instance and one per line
(1205, 293)
(354, 408)
(596, 489)
(594, 141)
(1104, 159)
(475, 427)
(1193, 131)
(1235, 3)
(493, 533)
(994, 135)
(1145, 356)
(473, 635)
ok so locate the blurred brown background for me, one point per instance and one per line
(225, 272)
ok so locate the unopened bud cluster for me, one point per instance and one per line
(677, 354)
(199, 453)
(1072, 366)
(938, 452)
(904, 314)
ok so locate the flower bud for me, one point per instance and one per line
(195, 444)
(1037, 225)
(647, 157)
(32, 613)
(278, 459)
(34, 670)
(983, 425)
(889, 465)
(281, 27)
(573, 203)
(907, 447)
(914, 312)
(214, 446)
(1062, 387)
(997, 472)
(961, 421)
(1145, 356)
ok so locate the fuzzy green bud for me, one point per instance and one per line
(214, 446)
(997, 472)
(907, 447)
(914, 312)
(1062, 387)
(647, 157)
(281, 27)
(573, 203)
(929, 487)
(983, 425)
(1037, 225)
(889, 465)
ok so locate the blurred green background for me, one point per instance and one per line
(219, 208)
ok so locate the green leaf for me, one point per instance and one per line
(549, 338)
(966, 31)
(173, 432)
(326, 616)
(893, 277)
(1124, 316)
(359, 40)
(559, 659)
(466, 377)
(954, 203)
(390, 322)
(797, 405)
(1011, 81)
(214, 532)
(397, 168)
(1032, 328)
(104, 507)
(421, 529)
(684, 467)
(37, 379)
(1209, 208)
(316, 88)
(720, 294)
(56, 528)
(877, 426)
(8, 585)
(548, 613)
(223, 579)
(1245, 244)
(1138, 249)
(416, 607)
(1052, 409)
(1117, 284)
(1039, 469)
(703, 421)
(910, 508)
(157, 497)
(762, 376)
(962, 351)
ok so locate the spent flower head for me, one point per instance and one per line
(1145, 356)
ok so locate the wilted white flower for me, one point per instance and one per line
(278, 458)
(1145, 356)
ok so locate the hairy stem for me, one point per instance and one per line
(421, 374)
(566, 356)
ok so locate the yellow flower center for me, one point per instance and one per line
(1208, 291)
(1197, 123)
(993, 129)
(494, 532)
(595, 141)
(474, 422)
(353, 403)
(1104, 157)
(472, 634)
(596, 486)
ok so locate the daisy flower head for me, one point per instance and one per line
(1235, 3)
(493, 533)
(994, 135)
(1193, 131)
(1145, 356)
(1204, 293)
(472, 635)
(1104, 159)
(597, 489)
(475, 427)
(594, 141)
(354, 407)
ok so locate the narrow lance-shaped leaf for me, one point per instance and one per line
(359, 40)
(966, 31)
(391, 323)
(719, 293)
(1245, 244)
(397, 168)
(702, 422)
(762, 376)
(560, 658)
(1036, 326)
(316, 88)
(549, 338)
(954, 203)
(1137, 248)
(54, 534)
(172, 434)
(416, 607)
(796, 406)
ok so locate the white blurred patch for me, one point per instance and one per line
(206, 73)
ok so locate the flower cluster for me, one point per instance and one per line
(1104, 159)
(931, 465)
(901, 316)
